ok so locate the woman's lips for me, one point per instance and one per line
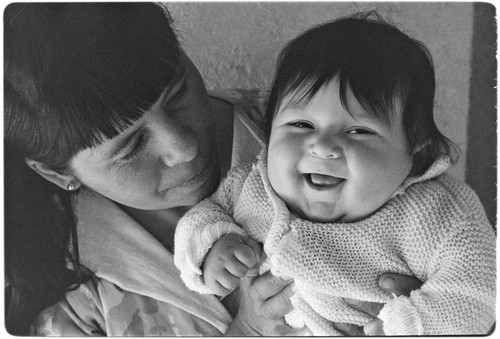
(323, 180)
(197, 177)
(205, 170)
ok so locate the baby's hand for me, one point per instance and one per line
(231, 258)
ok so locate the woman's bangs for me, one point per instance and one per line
(106, 103)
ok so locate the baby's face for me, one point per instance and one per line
(330, 166)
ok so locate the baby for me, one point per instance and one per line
(351, 185)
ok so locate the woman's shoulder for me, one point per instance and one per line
(240, 96)
(249, 107)
(251, 103)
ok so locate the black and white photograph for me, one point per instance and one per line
(243, 168)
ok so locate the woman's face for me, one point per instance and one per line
(167, 158)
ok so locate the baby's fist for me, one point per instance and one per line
(231, 258)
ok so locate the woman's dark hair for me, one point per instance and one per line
(74, 74)
(382, 66)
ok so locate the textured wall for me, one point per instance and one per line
(481, 173)
(235, 44)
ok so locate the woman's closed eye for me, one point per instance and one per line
(137, 146)
(175, 98)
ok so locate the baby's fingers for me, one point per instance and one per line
(246, 255)
(223, 284)
(218, 289)
(229, 281)
(236, 268)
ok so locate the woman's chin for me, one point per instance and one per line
(192, 194)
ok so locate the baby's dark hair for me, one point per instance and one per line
(382, 66)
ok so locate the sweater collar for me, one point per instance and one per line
(438, 167)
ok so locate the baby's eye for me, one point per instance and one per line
(358, 130)
(301, 124)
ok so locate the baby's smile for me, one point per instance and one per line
(322, 180)
(321, 188)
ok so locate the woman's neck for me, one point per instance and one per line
(162, 223)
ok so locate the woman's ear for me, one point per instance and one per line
(65, 181)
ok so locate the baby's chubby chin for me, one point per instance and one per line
(327, 212)
(317, 211)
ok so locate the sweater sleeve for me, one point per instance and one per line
(204, 224)
(458, 297)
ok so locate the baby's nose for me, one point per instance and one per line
(326, 147)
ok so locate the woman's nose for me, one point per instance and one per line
(325, 146)
(176, 143)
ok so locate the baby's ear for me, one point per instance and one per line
(65, 181)
(419, 147)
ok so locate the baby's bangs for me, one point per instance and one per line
(379, 95)
(301, 89)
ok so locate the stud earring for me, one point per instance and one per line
(71, 187)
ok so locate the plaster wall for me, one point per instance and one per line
(235, 44)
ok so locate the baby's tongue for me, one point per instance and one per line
(324, 180)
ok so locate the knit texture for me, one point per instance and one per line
(435, 230)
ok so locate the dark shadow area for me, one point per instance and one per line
(481, 130)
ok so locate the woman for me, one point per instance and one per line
(110, 137)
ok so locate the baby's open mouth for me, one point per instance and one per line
(322, 180)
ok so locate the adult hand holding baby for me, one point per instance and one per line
(397, 284)
(264, 300)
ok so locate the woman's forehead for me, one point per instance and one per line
(176, 85)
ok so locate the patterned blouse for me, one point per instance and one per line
(137, 290)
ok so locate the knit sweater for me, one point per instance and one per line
(434, 229)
